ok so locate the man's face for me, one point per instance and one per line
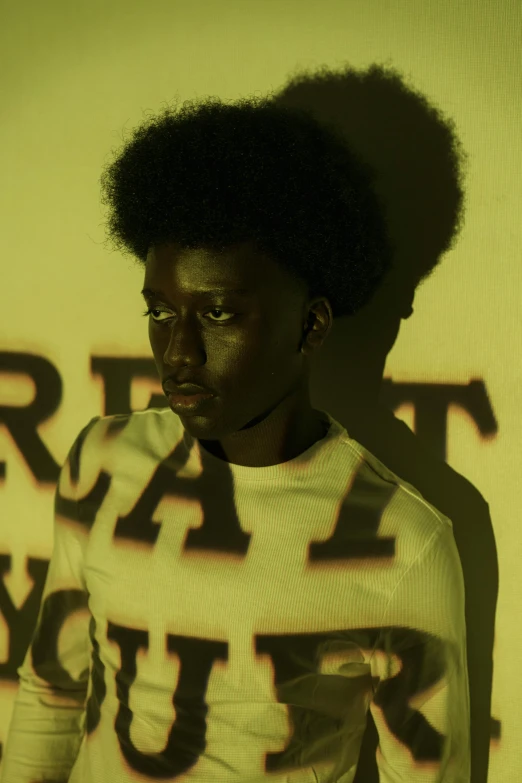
(245, 348)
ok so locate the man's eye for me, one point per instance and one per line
(152, 310)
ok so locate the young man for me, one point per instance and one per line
(235, 581)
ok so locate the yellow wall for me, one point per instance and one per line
(73, 76)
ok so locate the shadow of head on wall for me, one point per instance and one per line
(419, 170)
(419, 166)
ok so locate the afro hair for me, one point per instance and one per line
(212, 175)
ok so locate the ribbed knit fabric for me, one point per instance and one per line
(208, 622)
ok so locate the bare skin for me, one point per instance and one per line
(253, 350)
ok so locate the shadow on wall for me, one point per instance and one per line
(417, 158)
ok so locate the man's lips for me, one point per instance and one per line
(189, 389)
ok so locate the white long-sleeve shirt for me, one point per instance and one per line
(214, 623)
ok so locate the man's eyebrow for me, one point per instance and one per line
(148, 293)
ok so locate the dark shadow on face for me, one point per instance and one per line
(251, 349)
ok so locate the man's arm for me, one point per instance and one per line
(421, 704)
(46, 726)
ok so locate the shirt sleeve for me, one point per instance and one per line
(421, 703)
(46, 725)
